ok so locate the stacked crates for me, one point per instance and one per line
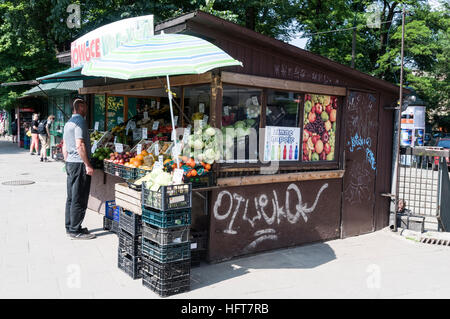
(112, 217)
(130, 240)
(166, 220)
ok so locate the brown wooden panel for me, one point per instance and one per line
(250, 219)
(360, 147)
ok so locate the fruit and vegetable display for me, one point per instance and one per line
(99, 155)
(319, 129)
(203, 145)
(96, 136)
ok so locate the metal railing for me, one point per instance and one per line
(424, 183)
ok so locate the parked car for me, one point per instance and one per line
(442, 143)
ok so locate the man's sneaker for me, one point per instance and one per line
(82, 236)
(83, 230)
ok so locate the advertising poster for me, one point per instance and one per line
(319, 127)
(282, 143)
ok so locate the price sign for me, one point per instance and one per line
(205, 120)
(158, 104)
(255, 100)
(201, 107)
(96, 126)
(119, 147)
(175, 120)
(115, 139)
(158, 165)
(144, 132)
(187, 132)
(178, 176)
(155, 125)
(145, 115)
(161, 159)
(94, 147)
(139, 149)
(226, 110)
(156, 148)
(153, 103)
(193, 245)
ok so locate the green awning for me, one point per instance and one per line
(72, 74)
(54, 88)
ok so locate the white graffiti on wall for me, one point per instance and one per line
(271, 214)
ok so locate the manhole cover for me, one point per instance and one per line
(18, 183)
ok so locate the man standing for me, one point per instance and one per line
(77, 153)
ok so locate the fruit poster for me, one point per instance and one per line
(319, 127)
(282, 143)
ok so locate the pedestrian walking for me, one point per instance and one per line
(77, 155)
(34, 134)
(44, 136)
(14, 130)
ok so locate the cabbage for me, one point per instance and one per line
(201, 157)
(240, 132)
(250, 122)
(239, 124)
(210, 131)
(210, 154)
(198, 144)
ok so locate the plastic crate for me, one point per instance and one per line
(111, 225)
(166, 288)
(130, 244)
(125, 172)
(199, 240)
(166, 219)
(197, 256)
(129, 264)
(134, 186)
(109, 167)
(130, 222)
(166, 271)
(206, 180)
(140, 172)
(168, 197)
(166, 236)
(112, 211)
(165, 254)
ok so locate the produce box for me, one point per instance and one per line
(128, 198)
(168, 219)
(165, 236)
(129, 264)
(165, 271)
(168, 197)
(165, 254)
(168, 287)
(131, 245)
(206, 180)
(130, 222)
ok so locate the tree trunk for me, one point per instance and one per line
(250, 18)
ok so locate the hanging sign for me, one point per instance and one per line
(282, 143)
(103, 40)
(177, 176)
(139, 149)
(96, 126)
(144, 133)
(119, 147)
(155, 125)
(94, 147)
(201, 107)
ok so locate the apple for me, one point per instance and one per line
(318, 108)
(311, 117)
(333, 115)
(319, 147)
(315, 138)
(328, 108)
(327, 148)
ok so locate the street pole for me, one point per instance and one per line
(399, 111)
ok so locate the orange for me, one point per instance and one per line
(140, 157)
(184, 159)
(208, 167)
(193, 172)
(144, 153)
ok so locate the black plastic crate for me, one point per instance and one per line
(166, 271)
(197, 256)
(198, 239)
(166, 288)
(174, 218)
(130, 222)
(111, 225)
(167, 198)
(129, 264)
(125, 172)
(140, 172)
(165, 254)
(206, 180)
(165, 236)
(130, 244)
(110, 167)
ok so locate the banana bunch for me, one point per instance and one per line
(117, 129)
(197, 116)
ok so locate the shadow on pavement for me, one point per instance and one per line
(300, 257)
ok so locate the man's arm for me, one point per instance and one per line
(64, 151)
(81, 149)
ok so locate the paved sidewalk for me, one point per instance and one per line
(38, 260)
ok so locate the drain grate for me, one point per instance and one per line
(435, 241)
(18, 183)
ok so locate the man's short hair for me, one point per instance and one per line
(76, 104)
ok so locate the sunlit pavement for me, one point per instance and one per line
(38, 260)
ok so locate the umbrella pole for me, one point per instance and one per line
(172, 118)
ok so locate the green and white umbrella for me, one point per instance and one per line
(160, 55)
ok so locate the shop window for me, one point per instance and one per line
(282, 131)
(241, 109)
(197, 101)
(319, 128)
(115, 111)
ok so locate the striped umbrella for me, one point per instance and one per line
(160, 55)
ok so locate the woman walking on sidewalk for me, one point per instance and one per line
(44, 136)
(34, 134)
